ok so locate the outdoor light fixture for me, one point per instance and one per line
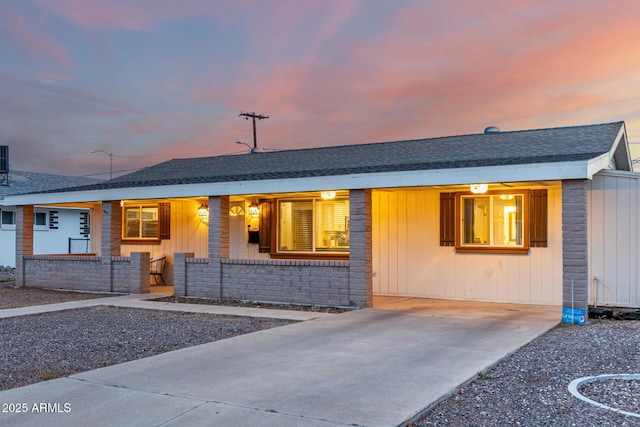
(479, 188)
(254, 209)
(203, 213)
(328, 195)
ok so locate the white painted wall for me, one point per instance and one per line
(45, 239)
(615, 249)
(408, 259)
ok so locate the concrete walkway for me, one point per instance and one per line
(142, 301)
(373, 367)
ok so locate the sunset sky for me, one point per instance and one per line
(151, 80)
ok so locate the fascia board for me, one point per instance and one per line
(598, 164)
(511, 173)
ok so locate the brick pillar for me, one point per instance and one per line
(218, 240)
(111, 239)
(24, 241)
(360, 253)
(575, 249)
(139, 273)
(180, 273)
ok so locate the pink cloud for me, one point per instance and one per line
(133, 15)
(33, 38)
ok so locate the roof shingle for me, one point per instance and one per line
(495, 149)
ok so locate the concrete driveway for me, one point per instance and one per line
(373, 367)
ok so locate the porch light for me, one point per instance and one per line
(479, 188)
(328, 195)
(254, 209)
(203, 213)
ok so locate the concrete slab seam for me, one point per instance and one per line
(205, 401)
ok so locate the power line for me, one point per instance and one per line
(111, 172)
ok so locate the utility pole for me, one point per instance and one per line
(254, 116)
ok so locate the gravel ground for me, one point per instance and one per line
(51, 345)
(529, 388)
(251, 304)
(23, 297)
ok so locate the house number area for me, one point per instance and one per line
(37, 407)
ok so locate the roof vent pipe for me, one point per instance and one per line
(491, 129)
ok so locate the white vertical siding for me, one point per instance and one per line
(239, 246)
(188, 234)
(408, 259)
(614, 218)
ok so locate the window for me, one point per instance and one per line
(40, 219)
(492, 220)
(140, 222)
(145, 224)
(8, 218)
(313, 225)
(501, 222)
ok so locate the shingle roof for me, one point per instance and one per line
(31, 182)
(505, 148)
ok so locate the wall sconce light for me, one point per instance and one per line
(254, 209)
(479, 188)
(328, 195)
(203, 213)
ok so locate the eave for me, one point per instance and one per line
(441, 177)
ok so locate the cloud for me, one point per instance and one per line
(173, 76)
(96, 15)
(35, 39)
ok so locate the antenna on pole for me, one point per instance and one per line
(254, 116)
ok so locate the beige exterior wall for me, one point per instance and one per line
(615, 249)
(408, 259)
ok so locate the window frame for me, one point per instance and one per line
(275, 251)
(139, 240)
(8, 225)
(495, 249)
(44, 225)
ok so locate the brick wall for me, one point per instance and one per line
(86, 273)
(131, 274)
(65, 272)
(199, 279)
(297, 282)
(286, 281)
(180, 272)
(575, 249)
